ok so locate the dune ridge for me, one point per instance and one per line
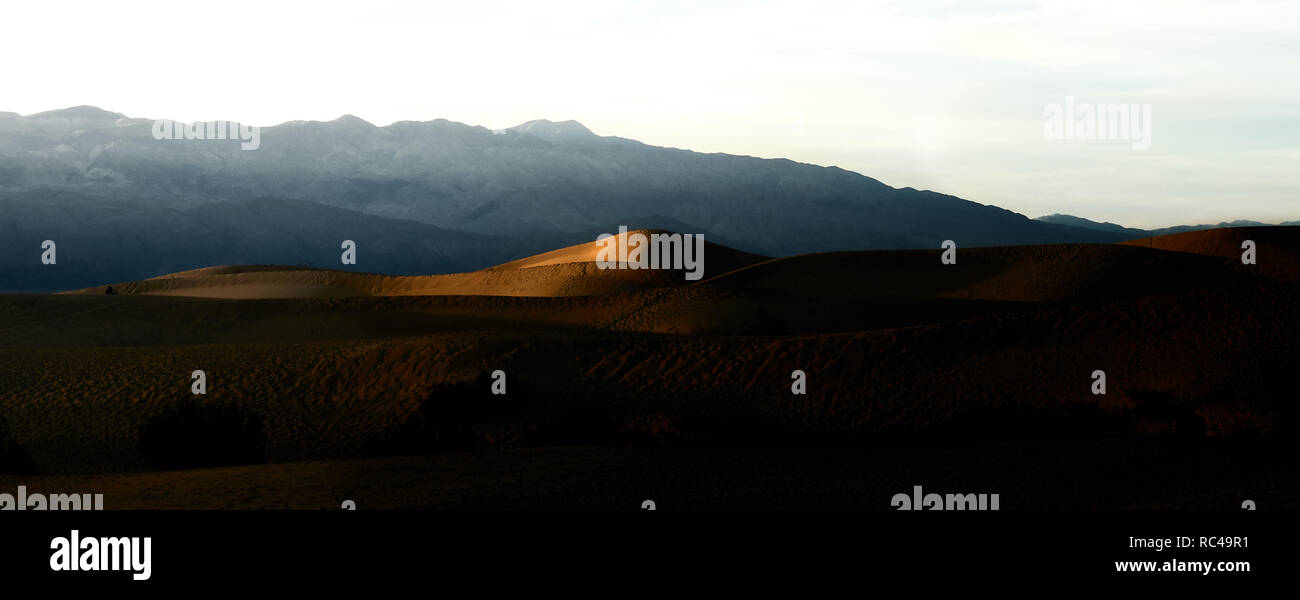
(569, 271)
(1277, 247)
(1012, 273)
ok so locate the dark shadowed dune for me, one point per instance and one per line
(1277, 247)
(1016, 273)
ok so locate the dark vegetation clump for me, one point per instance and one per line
(14, 459)
(1163, 409)
(200, 433)
(467, 416)
(763, 323)
(463, 416)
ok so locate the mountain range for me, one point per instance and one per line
(1081, 222)
(431, 197)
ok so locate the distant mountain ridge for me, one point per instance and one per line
(551, 131)
(1080, 222)
(99, 240)
(430, 197)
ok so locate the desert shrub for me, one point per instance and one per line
(1064, 421)
(461, 416)
(14, 459)
(1161, 411)
(763, 323)
(199, 433)
(464, 416)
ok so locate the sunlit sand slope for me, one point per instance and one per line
(568, 271)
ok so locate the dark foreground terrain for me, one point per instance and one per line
(628, 386)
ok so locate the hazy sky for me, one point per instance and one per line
(946, 96)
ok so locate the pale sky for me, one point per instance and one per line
(947, 96)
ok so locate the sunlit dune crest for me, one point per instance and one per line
(570, 271)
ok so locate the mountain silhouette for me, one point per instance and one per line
(433, 197)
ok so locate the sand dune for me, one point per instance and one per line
(568, 271)
(1014, 273)
(1277, 247)
(1283, 241)
(895, 345)
(854, 291)
(1219, 355)
(816, 293)
(1004, 274)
